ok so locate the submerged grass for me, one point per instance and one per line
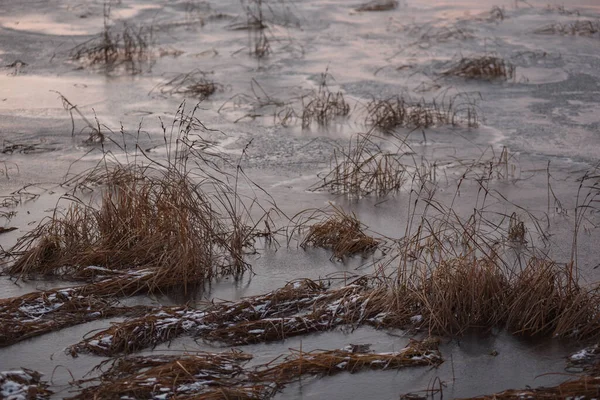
(38, 313)
(297, 308)
(485, 67)
(330, 362)
(157, 224)
(179, 376)
(586, 387)
(223, 375)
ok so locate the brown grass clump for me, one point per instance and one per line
(158, 224)
(202, 375)
(166, 323)
(378, 5)
(331, 362)
(399, 112)
(108, 50)
(297, 308)
(364, 168)
(341, 232)
(323, 106)
(486, 67)
(458, 275)
(38, 313)
(586, 387)
(23, 384)
(545, 299)
(577, 28)
(461, 294)
(223, 376)
(193, 84)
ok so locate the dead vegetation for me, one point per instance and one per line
(323, 106)
(586, 387)
(485, 67)
(340, 232)
(576, 28)
(364, 168)
(157, 223)
(23, 384)
(297, 308)
(38, 313)
(200, 374)
(325, 363)
(110, 51)
(194, 84)
(224, 376)
(402, 112)
(378, 5)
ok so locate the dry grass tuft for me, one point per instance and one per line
(399, 112)
(298, 308)
(486, 67)
(166, 323)
(364, 168)
(128, 49)
(458, 275)
(323, 106)
(156, 223)
(577, 28)
(378, 5)
(546, 300)
(38, 313)
(194, 84)
(341, 232)
(202, 375)
(143, 221)
(23, 384)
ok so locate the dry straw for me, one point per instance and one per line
(403, 112)
(340, 232)
(38, 313)
(128, 49)
(223, 375)
(586, 387)
(298, 308)
(158, 224)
